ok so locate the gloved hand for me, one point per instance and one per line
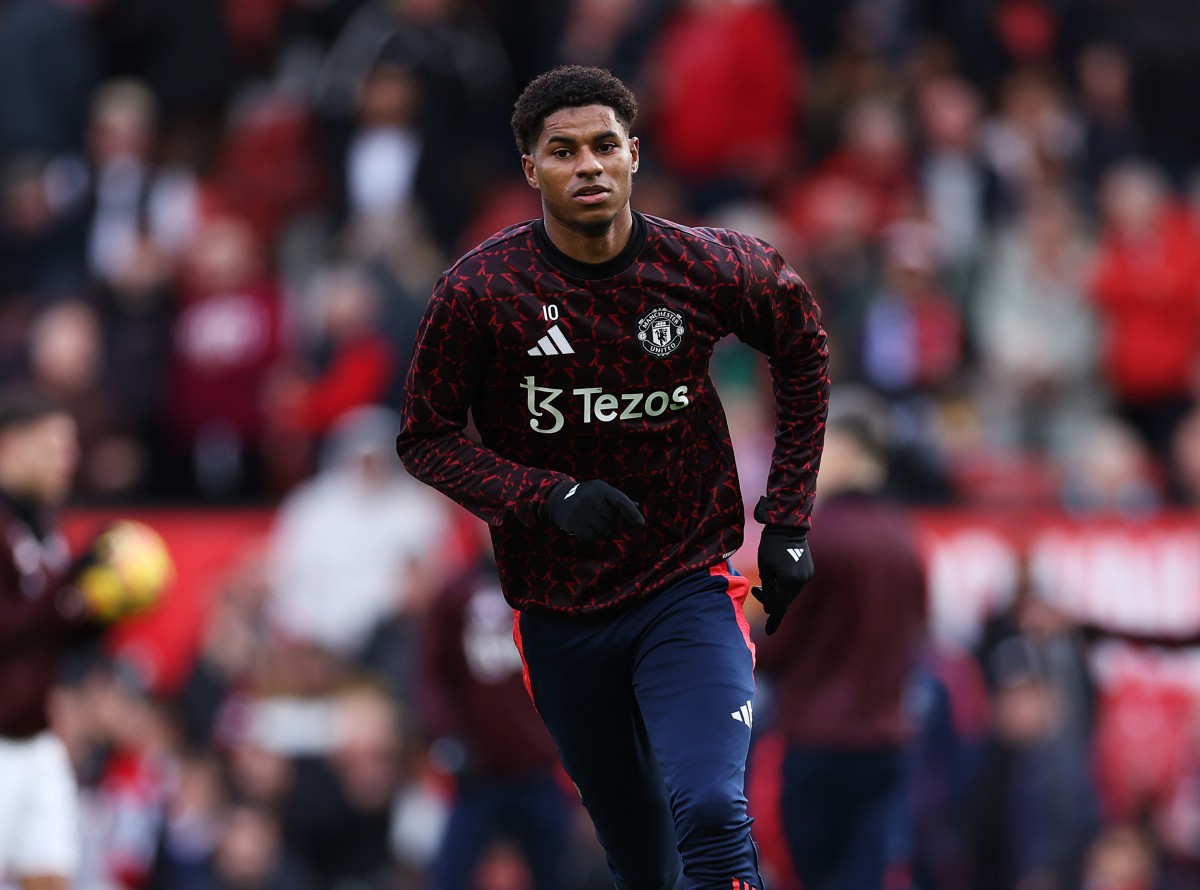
(785, 565)
(590, 510)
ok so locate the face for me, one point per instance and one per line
(38, 459)
(583, 164)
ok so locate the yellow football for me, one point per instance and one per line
(131, 570)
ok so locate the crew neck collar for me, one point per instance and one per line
(593, 271)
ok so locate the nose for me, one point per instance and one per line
(589, 163)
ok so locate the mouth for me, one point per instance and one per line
(592, 194)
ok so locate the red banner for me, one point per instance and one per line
(1134, 574)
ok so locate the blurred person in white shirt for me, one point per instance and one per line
(356, 543)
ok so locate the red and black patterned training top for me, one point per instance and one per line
(574, 370)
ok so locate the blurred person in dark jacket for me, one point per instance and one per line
(1034, 811)
(250, 854)
(486, 731)
(463, 76)
(842, 667)
(42, 230)
(341, 813)
(48, 66)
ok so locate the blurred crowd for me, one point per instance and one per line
(219, 222)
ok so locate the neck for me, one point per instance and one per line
(589, 247)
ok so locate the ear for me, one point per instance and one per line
(530, 170)
(634, 153)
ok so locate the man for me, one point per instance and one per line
(842, 665)
(40, 614)
(580, 343)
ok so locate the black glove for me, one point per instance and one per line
(590, 510)
(785, 565)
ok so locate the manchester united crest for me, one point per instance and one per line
(660, 331)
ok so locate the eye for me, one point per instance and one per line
(608, 147)
(562, 153)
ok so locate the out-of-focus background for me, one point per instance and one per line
(220, 220)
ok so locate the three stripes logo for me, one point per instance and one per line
(795, 553)
(744, 714)
(554, 343)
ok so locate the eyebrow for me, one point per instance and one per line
(607, 134)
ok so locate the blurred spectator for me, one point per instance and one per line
(1186, 451)
(234, 644)
(1157, 36)
(724, 96)
(386, 223)
(874, 152)
(227, 335)
(1110, 130)
(486, 733)
(612, 34)
(913, 335)
(133, 197)
(191, 825)
(182, 52)
(1110, 469)
(1121, 858)
(42, 230)
(349, 364)
(833, 219)
(853, 70)
(947, 702)
(136, 307)
(465, 85)
(125, 799)
(1034, 139)
(1035, 329)
(48, 66)
(360, 527)
(67, 358)
(1036, 811)
(384, 152)
(843, 667)
(1144, 284)
(959, 187)
(341, 810)
(251, 854)
(266, 169)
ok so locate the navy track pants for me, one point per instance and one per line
(651, 710)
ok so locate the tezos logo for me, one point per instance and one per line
(660, 331)
(594, 404)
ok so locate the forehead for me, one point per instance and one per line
(580, 123)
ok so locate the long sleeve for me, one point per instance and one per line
(25, 621)
(778, 316)
(450, 361)
(39, 619)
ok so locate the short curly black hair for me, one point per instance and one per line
(568, 86)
